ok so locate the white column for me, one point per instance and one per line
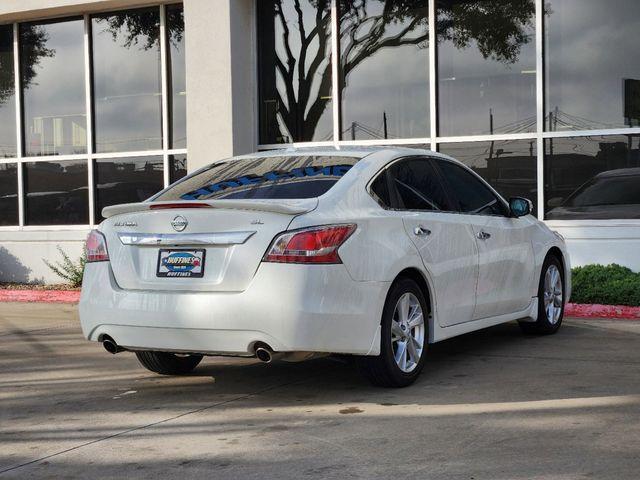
(221, 79)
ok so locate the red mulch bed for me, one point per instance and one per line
(66, 294)
(53, 293)
(602, 311)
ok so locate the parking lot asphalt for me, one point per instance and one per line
(490, 405)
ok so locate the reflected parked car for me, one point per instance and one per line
(371, 252)
(614, 194)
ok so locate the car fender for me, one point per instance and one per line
(543, 240)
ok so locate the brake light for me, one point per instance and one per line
(311, 245)
(96, 247)
(169, 206)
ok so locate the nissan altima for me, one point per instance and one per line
(291, 254)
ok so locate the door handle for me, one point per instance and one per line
(420, 231)
(483, 235)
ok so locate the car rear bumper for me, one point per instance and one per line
(312, 308)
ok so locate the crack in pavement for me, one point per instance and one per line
(153, 424)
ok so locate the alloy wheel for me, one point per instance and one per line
(553, 294)
(407, 332)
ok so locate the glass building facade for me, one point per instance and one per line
(541, 101)
(538, 97)
(93, 113)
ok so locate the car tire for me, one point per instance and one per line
(551, 296)
(404, 338)
(166, 363)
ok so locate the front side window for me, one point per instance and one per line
(418, 185)
(509, 166)
(290, 177)
(471, 195)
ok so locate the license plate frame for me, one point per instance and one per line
(180, 269)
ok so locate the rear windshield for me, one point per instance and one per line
(260, 178)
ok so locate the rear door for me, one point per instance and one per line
(444, 240)
(506, 261)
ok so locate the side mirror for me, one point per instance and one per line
(520, 206)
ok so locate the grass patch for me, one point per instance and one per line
(606, 284)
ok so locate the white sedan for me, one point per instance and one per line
(372, 252)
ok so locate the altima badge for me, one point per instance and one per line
(179, 223)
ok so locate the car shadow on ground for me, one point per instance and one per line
(479, 393)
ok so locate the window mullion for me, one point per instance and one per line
(540, 105)
(335, 71)
(165, 94)
(433, 86)
(19, 137)
(89, 116)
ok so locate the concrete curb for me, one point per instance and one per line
(44, 296)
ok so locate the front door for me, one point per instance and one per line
(505, 252)
(505, 265)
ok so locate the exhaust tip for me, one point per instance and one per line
(111, 346)
(264, 354)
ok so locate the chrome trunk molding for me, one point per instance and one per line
(175, 239)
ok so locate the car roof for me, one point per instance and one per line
(621, 172)
(341, 151)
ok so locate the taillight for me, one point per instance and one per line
(97, 247)
(311, 245)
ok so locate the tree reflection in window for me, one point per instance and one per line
(295, 50)
(7, 94)
(127, 79)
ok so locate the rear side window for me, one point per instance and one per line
(281, 177)
(418, 186)
(471, 194)
(380, 188)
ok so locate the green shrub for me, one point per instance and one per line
(607, 285)
(69, 270)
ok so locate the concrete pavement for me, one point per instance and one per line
(490, 405)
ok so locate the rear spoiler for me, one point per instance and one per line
(285, 206)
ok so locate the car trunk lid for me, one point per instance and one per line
(234, 237)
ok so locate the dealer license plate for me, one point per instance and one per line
(181, 263)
